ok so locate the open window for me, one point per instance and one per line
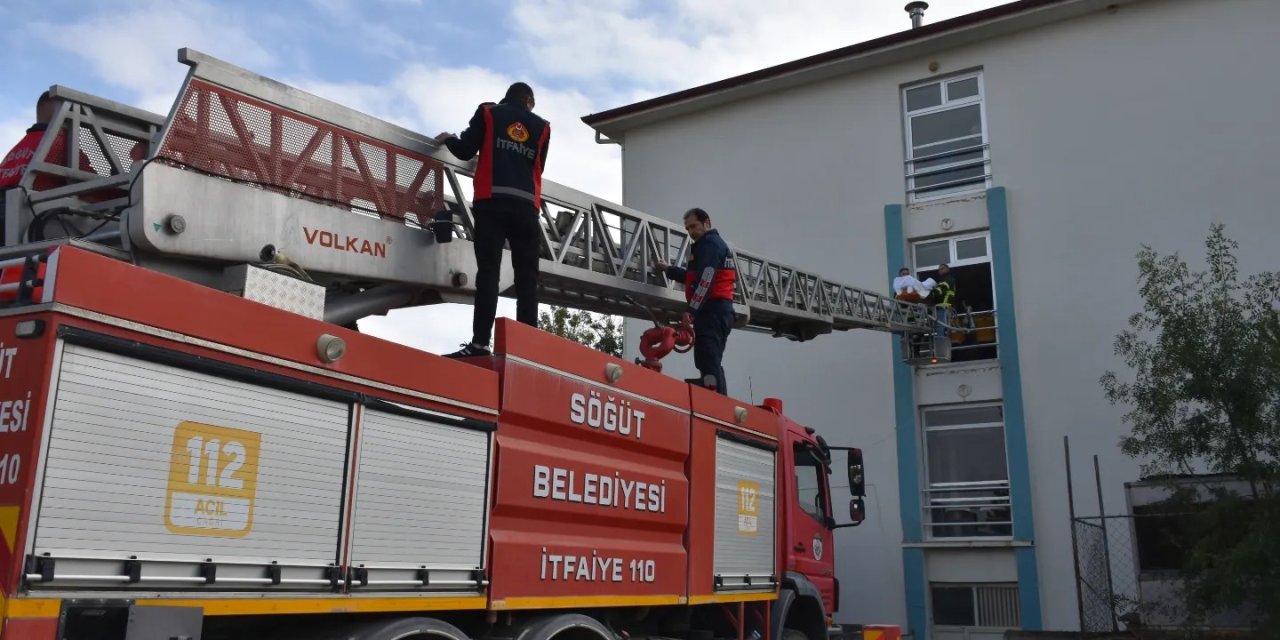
(974, 306)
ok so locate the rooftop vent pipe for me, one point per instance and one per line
(916, 9)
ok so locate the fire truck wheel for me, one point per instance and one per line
(793, 634)
(406, 629)
(573, 623)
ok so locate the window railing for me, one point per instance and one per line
(973, 170)
(979, 339)
(968, 509)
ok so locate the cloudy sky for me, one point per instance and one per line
(426, 64)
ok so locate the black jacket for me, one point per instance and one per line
(512, 142)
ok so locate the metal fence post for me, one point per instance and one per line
(1106, 546)
(1075, 550)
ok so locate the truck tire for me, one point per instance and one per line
(402, 629)
(796, 617)
(576, 623)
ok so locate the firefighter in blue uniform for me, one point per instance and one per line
(709, 280)
(511, 141)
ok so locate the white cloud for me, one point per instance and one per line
(136, 48)
(691, 42)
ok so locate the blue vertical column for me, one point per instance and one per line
(1015, 426)
(909, 508)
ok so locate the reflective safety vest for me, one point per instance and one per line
(945, 293)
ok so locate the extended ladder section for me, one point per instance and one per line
(246, 169)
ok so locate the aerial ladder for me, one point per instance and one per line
(252, 186)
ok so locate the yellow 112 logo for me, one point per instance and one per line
(213, 479)
(748, 507)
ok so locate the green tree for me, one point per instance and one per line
(1205, 398)
(600, 332)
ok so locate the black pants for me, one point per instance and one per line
(711, 326)
(514, 222)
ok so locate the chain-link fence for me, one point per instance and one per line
(1129, 568)
(1106, 561)
(1108, 570)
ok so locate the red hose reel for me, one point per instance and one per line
(657, 342)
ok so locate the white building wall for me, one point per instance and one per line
(1108, 131)
(782, 175)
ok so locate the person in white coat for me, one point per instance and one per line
(907, 288)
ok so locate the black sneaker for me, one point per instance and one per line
(469, 350)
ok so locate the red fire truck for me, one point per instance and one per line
(196, 443)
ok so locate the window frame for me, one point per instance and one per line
(980, 612)
(979, 349)
(953, 261)
(995, 485)
(965, 185)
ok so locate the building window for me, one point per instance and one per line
(967, 476)
(974, 305)
(809, 473)
(975, 605)
(946, 133)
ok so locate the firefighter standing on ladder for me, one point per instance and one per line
(512, 142)
(708, 281)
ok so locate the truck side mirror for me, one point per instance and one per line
(857, 479)
(857, 511)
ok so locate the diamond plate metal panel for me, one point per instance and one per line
(278, 290)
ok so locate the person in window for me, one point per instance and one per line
(908, 289)
(943, 296)
(708, 287)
